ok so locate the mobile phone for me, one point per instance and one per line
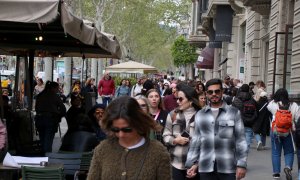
(185, 134)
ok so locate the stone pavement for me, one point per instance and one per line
(260, 164)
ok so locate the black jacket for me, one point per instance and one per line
(239, 102)
(262, 125)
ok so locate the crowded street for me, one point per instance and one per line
(149, 90)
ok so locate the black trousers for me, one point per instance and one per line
(217, 176)
(178, 174)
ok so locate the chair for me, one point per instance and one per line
(79, 141)
(70, 161)
(41, 173)
(84, 165)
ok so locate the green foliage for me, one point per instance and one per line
(147, 28)
(182, 52)
(118, 79)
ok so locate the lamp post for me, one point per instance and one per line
(127, 57)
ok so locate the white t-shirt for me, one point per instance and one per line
(139, 144)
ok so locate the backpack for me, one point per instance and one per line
(249, 112)
(282, 123)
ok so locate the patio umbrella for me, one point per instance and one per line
(50, 28)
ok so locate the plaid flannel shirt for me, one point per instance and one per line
(173, 129)
(224, 143)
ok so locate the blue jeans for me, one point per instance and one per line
(277, 144)
(298, 158)
(106, 100)
(261, 138)
(249, 136)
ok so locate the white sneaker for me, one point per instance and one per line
(259, 146)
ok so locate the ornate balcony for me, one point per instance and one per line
(262, 7)
(198, 39)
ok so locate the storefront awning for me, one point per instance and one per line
(206, 59)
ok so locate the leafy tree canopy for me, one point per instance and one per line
(182, 52)
(147, 28)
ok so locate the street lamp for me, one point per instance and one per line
(127, 57)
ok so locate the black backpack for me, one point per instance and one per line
(249, 112)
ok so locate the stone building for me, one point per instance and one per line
(262, 43)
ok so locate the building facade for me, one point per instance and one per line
(263, 42)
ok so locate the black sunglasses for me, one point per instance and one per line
(217, 91)
(179, 99)
(143, 105)
(125, 129)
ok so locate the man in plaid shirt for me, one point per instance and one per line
(218, 148)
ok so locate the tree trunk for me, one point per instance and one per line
(94, 68)
(48, 69)
(67, 78)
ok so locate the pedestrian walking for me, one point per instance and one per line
(279, 140)
(73, 112)
(170, 100)
(260, 87)
(129, 153)
(179, 130)
(261, 127)
(137, 88)
(96, 115)
(248, 110)
(49, 111)
(39, 87)
(202, 99)
(3, 137)
(157, 111)
(297, 142)
(106, 88)
(218, 147)
(123, 89)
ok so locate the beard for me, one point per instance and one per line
(215, 100)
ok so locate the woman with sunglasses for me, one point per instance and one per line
(180, 129)
(157, 111)
(144, 103)
(129, 153)
(96, 116)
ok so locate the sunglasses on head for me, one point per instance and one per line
(125, 129)
(179, 99)
(217, 91)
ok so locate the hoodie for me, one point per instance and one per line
(106, 87)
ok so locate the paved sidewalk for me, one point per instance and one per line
(260, 164)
